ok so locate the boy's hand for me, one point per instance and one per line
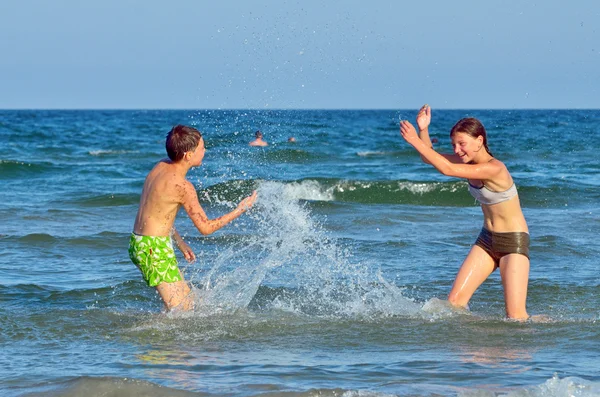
(187, 251)
(424, 117)
(248, 202)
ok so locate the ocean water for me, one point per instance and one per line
(332, 285)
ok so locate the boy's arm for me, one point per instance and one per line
(198, 216)
(185, 249)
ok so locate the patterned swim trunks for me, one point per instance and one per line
(155, 257)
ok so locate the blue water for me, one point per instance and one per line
(332, 285)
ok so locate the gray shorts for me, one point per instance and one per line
(498, 245)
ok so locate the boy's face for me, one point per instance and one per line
(198, 154)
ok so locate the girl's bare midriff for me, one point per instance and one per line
(504, 217)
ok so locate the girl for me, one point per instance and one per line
(504, 238)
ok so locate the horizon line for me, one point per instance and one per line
(280, 109)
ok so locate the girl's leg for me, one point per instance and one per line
(477, 266)
(514, 270)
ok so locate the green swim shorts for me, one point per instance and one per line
(155, 257)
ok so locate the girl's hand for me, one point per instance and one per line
(408, 132)
(424, 117)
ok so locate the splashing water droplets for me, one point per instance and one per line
(290, 263)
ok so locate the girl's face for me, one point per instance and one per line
(466, 147)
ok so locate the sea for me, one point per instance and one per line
(333, 285)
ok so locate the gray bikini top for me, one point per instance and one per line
(488, 197)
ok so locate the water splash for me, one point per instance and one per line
(311, 273)
(569, 386)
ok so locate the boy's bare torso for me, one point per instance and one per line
(161, 197)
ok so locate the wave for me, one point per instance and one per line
(47, 299)
(378, 153)
(20, 169)
(556, 195)
(420, 193)
(107, 152)
(424, 193)
(37, 238)
(100, 240)
(401, 192)
(105, 386)
(105, 200)
(555, 386)
(353, 191)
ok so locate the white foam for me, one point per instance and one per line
(105, 152)
(438, 308)
(304, 190)
(372, 153)
(422, 188)
(554, 387)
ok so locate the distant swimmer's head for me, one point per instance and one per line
(258, 135)
(291, 139)
(472, 127)
(182, 139)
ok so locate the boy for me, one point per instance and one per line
(166, 190)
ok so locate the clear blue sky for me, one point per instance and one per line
(299, 54)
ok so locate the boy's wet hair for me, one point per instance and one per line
(182, 139)
(472, 127)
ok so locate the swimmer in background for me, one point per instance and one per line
(259, 140)
(504, 239)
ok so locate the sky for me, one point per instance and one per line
(185, 54)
